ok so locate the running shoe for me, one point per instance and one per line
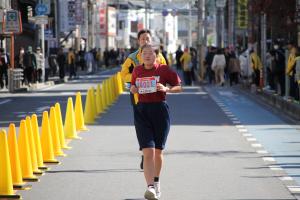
(157, 189)
(150, 193)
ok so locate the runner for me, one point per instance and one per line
(151, 114)
(133, 60)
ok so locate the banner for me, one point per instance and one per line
(242, 14)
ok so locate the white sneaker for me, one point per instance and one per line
(157, 189)
(150, 194)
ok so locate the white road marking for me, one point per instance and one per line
(286, 178)
(243, 130)
(247, 135)
(262, 152)
(5, 101)
(240, 126)
(275, 168)
(268, 159)
(236, 122)
(251, 139)
(294, 189)
(256, 145)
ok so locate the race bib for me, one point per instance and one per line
(146, 85)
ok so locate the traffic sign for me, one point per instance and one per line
(41, 9)
(12, 22)
(41, 19)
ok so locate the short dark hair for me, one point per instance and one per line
(143, 31)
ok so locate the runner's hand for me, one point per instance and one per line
(133, 89)
(160, 87)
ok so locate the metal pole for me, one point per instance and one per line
(43, 50)
(200, 38)
(263, 45)
(190, 25)
(56, 11)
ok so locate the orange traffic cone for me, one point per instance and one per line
(24, 152)
(98, 100)
(6, 183)
(37, 141)
(46, 141)
(60, 127)
(54, 133)
(70, 127)
(16, 172)
(35, 168)
(80, 126)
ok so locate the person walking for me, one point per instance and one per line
(61, 60)
(134, 59)
(291, 72)
(256, 67)
(5, 63)
(71, 63)
(187, 65)
(151, 116)
(29, 64)
(218, 65)
(39, 65)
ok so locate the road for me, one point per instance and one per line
(222, 146)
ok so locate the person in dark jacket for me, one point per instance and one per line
(61, 61)
(29, 65)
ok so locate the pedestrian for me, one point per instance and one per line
(178, 55)
(256, 67)
(234, 69)
(151, 116)
(133, 60)
(61, 61)
(4, 68)
(279, 69)
(71, 63)
(218, 65)
(187, 65)
(29, 64)
(39, 65)
(291, 72)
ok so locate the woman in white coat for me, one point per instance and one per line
(218, 65)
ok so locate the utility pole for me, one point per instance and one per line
(200, 44)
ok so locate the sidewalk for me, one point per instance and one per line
(286, 106)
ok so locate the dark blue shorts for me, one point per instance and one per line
(152, 124)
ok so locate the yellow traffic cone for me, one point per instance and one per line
(106, 93)
(70, 127)
(46, 141)
(98, 100)
(33, 153)
(54, 133)
(60, 127)
(37, 141)
(89, 117)
(103, 98)
(94, 108)
(80, 126)
(24, 153)
(6, 183)
(120, 83)
(16, 172)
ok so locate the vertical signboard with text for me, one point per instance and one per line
(111, 21)
(102, 19)
(242, 14)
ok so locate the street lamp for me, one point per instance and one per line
(220, 4)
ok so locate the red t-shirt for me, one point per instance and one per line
(163, 75)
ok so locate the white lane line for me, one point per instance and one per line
(286, 178)
(275, 168)
(236, 122)
(247, 135)
(50, 87)
(42, 109)
(268, 159)
(251, 139)
(294, 189)
(243, 130)
(262, 152)
(240, 126)
(229, 115)
(5, 101)
(256, 145)
(234, 119)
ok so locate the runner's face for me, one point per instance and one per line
(145, 38)
(148, 56)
